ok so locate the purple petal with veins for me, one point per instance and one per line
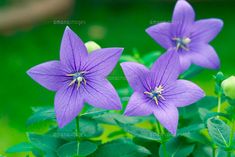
(185, 35)
(79, 77)
(159, 91)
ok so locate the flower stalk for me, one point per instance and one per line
(161, 132)
(77, 134)
(219, 103)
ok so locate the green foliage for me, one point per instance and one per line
(110, 118)
(139, 132)
(177, 147)
(70, 149)
(147, 60)
(41, 114)
(191, 72)
(45, 143)
(121, 148)
(21, 147)
(219, 132)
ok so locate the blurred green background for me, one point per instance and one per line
(29, 36)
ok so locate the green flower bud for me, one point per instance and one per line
(228, 86)
(91, 46)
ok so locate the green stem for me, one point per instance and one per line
(77, 134)
(213, 152)
(164, 149)
(219, 103)
(161, 132)
(231, 136)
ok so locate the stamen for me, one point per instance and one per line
(182, 43)
(77, 77)
(156, 94)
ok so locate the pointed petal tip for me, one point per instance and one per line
(148, 30)
(220, 22)
(67, 28)
(60, 124)
(119, 50)
(28, 72)
(123, 64)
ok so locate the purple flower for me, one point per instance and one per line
(157, 91)
(79, 77)
(190, 38)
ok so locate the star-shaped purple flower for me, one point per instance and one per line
(157, 91)
(79, 77)
(190, 38)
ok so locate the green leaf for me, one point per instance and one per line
(151, 57)
(190, 128)
(176, 147)
(219, 132)
(116, 133)
(70, 149)
(197, 137)
(21, 147)
(45, 143)
(191, 72)
(207, 102)
(41, 114)
(93, 112)
(121, 148)
(139, 132)
(128, 58)
(88, 128)
(206, 114)
(221, 153)
(202, 150)
(231, 101)
(109, 118)
(152, 146)
(230, 111)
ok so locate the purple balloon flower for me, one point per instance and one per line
(190, 38)
(79, 77)
(157, 91)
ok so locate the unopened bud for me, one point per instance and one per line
(92, 46)
(228, 86)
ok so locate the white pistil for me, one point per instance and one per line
(182, 43)
(77, 77)
(156, 94)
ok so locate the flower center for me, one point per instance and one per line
(78, 78)
(156, 94)
(182, 43)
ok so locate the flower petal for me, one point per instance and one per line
(136, 74)
(206, 30)
(204, 55)
(161, 33)
(166, 68)
(102, 61)
(167, 115)
(183, 93)
(100, 93)
(68, 104)
(185, 61)
(72, 50)
(50, 75)
(139, 105)
(183, 18)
